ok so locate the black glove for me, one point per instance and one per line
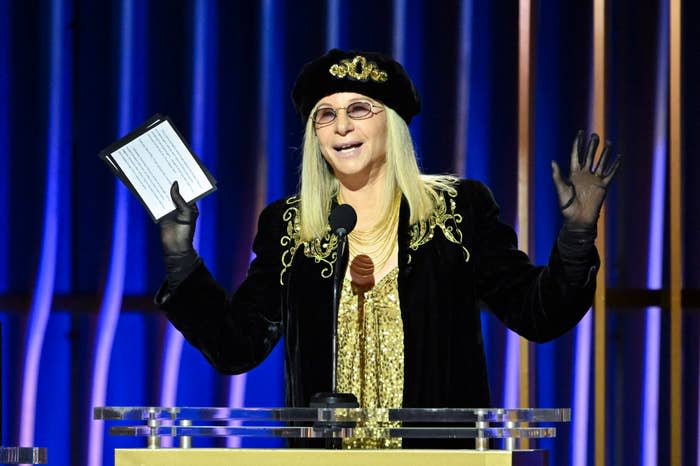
(575, 248)
(176, 236)
(581, 197)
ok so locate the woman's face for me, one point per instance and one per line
(354, 147)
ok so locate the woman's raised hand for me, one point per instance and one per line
(581, 196)
(177, 228)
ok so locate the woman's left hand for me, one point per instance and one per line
(582, 196)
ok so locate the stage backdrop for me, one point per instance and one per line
(80, 259)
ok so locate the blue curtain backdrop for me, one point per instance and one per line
(80, 259)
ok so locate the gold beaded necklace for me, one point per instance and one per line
(380, 241)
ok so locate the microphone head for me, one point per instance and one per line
(342, 219)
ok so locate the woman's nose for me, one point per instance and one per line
(343, 123)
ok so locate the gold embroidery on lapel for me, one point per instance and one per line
(321, 250)
(447, 220)
(290, 241)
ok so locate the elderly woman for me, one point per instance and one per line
(425, 252)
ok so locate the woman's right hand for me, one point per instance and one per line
(177, 228)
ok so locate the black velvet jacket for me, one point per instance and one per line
(447, 266)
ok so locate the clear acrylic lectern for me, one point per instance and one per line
(185, 423)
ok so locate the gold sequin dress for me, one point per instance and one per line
(370, 352)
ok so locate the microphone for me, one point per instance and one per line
(342, 221)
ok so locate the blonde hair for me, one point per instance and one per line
(319, 186)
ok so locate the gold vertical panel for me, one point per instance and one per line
(599, 79)
(318, 457)
(525, 86)
(676, 235)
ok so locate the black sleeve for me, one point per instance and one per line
(235, 333)
(539, 303)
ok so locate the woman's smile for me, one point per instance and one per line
(348, 149)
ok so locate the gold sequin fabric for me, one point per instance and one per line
(370, 354)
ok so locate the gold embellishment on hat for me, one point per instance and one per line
(366, 70)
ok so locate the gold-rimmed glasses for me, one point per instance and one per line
(358, 110)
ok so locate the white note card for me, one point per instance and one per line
(151, 158)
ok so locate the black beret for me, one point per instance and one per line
(369, 73)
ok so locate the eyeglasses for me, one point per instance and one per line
(357, 111)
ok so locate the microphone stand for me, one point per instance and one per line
(333, 399)
(337, 289)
